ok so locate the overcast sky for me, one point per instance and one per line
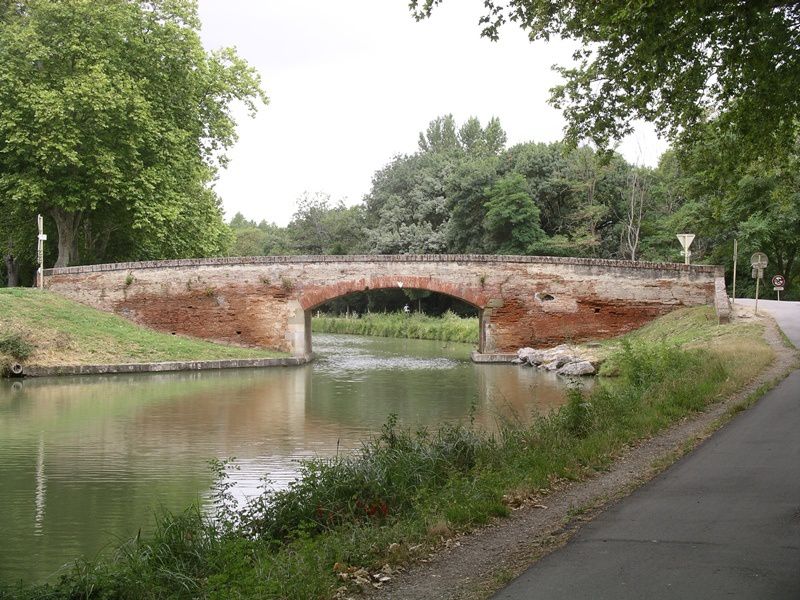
(352, 83)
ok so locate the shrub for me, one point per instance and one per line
(16, 346)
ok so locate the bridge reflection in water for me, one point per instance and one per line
(85, 461)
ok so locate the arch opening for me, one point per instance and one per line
(364, 301)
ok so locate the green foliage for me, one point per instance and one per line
(512, 219)
(447, 328)
(16, 346)
(577, 413)
(670, 63)
(262, 239)
(114, 121)
(319, 228)
(466, 187)
(406, 209)
(437, 200)
(756, 202)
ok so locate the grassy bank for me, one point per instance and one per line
(447, 328)
(45, 329)
(349, 516)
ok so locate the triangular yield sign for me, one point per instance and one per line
(685, 239)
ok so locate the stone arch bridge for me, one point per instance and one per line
(268, 300)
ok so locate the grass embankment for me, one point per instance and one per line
(46, 329)
(447, 328)
(403, 491)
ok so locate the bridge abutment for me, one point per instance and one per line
(298, 330)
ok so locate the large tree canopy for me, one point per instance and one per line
(113, 121)
(672, 63)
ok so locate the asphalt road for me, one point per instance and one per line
(723, 522)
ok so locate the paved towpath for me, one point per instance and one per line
(723, 522)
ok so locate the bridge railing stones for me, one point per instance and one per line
(384, 258)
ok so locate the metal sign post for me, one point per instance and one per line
(778, 281)
(40, 252)
(759, 262)
(686, 240)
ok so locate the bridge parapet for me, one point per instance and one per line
(267, 300)
(382, 258)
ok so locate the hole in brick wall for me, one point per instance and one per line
(543, 297)
(596, 310)
(173, 333)
(238, 333)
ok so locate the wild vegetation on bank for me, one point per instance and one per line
(447, 328)
(351, 516)
(37, 327)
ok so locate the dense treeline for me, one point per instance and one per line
(464, 190)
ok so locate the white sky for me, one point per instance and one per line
(352, 83)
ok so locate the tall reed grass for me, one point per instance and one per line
(447, 328)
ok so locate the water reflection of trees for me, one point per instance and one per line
(86, 459)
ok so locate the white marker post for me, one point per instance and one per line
(40, 252)
(759, 262)
(686, 240)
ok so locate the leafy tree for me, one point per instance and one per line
(248, 241)
(319, 228)
(466, 199)
(277, 240)
(672, 63)
(672, 209)
(544, 168)
(414, 199)
(19, 254)
(407, 208)
(113, 121)
(755, 202)
(440, 136)
(262, 239)
(512, 219)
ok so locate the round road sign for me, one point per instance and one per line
(778, 281)
(759, 260)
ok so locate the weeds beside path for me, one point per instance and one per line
(351, 522)
(480, 563)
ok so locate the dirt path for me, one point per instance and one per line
(475, 565)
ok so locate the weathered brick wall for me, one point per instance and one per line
(524, 300)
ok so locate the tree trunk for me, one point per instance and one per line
(67, 224)
(12, 270)
(633, 219)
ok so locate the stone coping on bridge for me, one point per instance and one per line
(161, 367)
(381, 258)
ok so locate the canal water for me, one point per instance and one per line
(85, 461)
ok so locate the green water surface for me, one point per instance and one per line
(85, 461)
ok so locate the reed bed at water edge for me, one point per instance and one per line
(447, 328)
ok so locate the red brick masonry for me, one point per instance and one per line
(267, 300)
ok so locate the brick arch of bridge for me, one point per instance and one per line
(266, 301)
(317, 296)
